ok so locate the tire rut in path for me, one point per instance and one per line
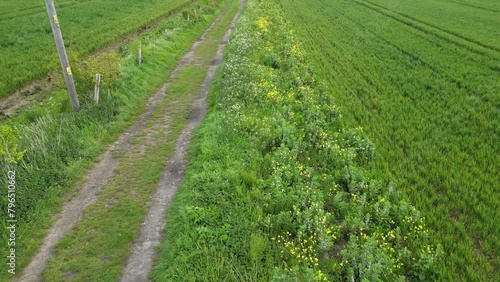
(104, 171)
(140, 261)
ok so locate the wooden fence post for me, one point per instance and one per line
(140, 54)
(96, 89)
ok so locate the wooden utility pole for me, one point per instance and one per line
(63, 57)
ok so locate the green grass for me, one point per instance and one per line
(276, 189)
(27, 50)
(422, 80)
(62, 145)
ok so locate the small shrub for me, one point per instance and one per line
(107, 64)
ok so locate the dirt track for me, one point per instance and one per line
(140, 261)
(143, 251)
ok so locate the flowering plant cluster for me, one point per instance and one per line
(9, 150)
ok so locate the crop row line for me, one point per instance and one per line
(458, 84)
(427, 28)
(471, 40)
(28, 11)
(475, 6)
(41, 82)
(153, 24)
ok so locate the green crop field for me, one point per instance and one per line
(422, 78)
(27, 48)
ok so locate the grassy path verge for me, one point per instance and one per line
(144, 249)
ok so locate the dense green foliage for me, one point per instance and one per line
(275, 189)
(106, 64)
(61, 145)
(27, 49)
(9, 151)
(422, 80)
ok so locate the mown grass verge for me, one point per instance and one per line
(60, 146)
(276, 188)
(96, 249)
